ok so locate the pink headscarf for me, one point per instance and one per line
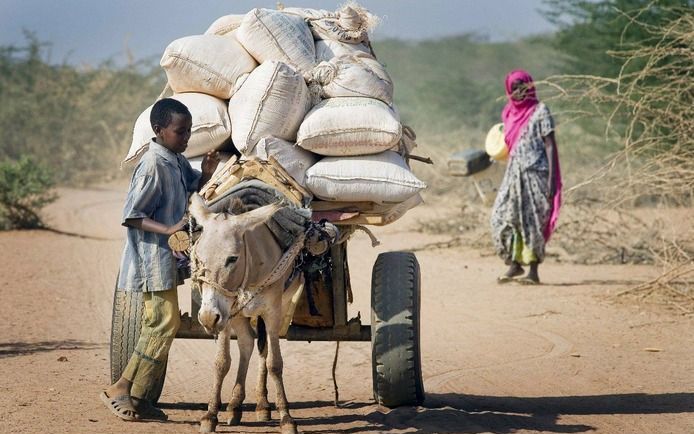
(516, 115)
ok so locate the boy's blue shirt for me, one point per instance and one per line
(159, 189)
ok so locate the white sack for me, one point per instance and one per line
(377, 178)
(399, 210)
(210, 129)
(359, 75)
(349, 126)
(224, 25)
(196, 162)
(272, 35)
(308, 13)
(271, 102)
(208, 64)
(351, 24)
(326, 49)
(295, 160)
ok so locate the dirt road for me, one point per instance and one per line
(564, 357)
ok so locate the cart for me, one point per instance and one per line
(394, 331)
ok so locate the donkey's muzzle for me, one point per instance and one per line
(210, 319)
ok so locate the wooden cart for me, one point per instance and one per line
(394, 331)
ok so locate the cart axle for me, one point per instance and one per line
(353, 331)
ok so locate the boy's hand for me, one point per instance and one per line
(209, 163)
(177, 227)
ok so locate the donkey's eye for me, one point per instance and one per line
(231, 260)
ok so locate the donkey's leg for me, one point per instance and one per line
(274, 365)
(244, 338)
(222, 361)
(262, 408)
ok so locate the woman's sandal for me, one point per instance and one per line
(525, 280)
(504, 279)
(121, 406)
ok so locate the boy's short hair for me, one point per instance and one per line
(163, 110)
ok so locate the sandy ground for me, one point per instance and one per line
(564, 357)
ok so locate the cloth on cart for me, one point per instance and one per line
(287, 224)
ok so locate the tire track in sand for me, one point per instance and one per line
(559, 346)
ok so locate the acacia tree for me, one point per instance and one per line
(589, 31)
(637, 75)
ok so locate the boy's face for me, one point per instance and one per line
(174, 137)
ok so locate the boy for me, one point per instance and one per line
(154, 209)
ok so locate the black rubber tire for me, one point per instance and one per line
(395, 317)
(126, 323)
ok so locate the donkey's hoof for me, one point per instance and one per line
(235, 418)
(208, 424)
(262, 414)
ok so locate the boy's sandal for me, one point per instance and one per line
(146, 410)
(121, 406)
(504, 279)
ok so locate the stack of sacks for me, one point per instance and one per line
(355, 126)
(301, 86)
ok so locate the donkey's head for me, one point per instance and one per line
(233, 252)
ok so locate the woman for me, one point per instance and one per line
(527, 205)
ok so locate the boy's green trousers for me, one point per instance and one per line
(159, 326)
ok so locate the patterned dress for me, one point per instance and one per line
(522, 206)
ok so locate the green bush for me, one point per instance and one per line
(25, 188)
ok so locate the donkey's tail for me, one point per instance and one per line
(262, 336)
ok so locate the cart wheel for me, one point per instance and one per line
(395, 354)
(126, 322)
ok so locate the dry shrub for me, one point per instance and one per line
(591, 235)
(647, 108)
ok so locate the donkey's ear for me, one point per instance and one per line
(260, 215)
(199, 210)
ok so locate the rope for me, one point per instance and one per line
(284, 263)
(367, 231)
(324, 73)
(337, 394)
(199, 271)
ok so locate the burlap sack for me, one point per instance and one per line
(351, 24)
(211, 127)
(208, 64)
(380, 178)
(225, 25)
(271, 102)
(349, 126)
(295, 160)
(326, 49)
(358, 75)
(272, 35)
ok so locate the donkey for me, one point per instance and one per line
(242, 272)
